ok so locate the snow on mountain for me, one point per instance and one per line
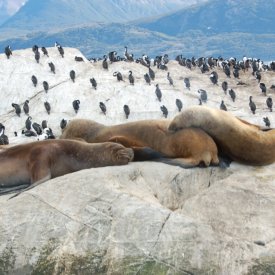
(217, 16)
(16, 87)
(50, 14)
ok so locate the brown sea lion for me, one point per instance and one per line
(190, 147)
(240, 140)
(35, 162)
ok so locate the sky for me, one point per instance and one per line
(11, 6)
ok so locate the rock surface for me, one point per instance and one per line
(143, 219)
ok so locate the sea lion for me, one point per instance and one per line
(191, 147)
(240, 140)
(32, 163)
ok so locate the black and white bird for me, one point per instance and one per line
(222, 106)
(187, 83)
(4, 140)
(61, 50)
(269, 103)
(63, 123)
(103, 108)
(252, 105)
(232, 94)
(47, 107)
(131, 78)
(72, 75)
(93, 82)
(158, 92)
(203, 95)
(147, 78)
(236, 72)
(258, 76)
(37, 127)
(266, 121)
(76, 105)
(44, 124)
(225, 86)
(52, 67)
(164, 111)
(214, 78)
(263, 88)
(112, 56)
(128, 57)
(45, 86)
(26, 108)
(126, 111)
(34, 48)
(37, 55)
(28, 123)
(226, 70)
(171, 82)
(8, 51)
(118, 75)
(17, 108)
(105, 63)
(151, 73)
(45, 52)
(179, 104)
(34, 80)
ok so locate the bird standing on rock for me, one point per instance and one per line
(4, 140)
(76, 105)
(52, 67)
(222, 106)
(45, 86)
(269, 103)
(179, 104)
(263, 88)
(171, 82)
(158, 92)
(164, 111)
(126, 111)
(131, 78)
(225, 86)
(187, 82)
(26, 107)
(72, 75)
(47, 107)
(252, 105)
(17, 108)
(103, 108)
(266, 121)
(93, 82)
(232, 94)
(34, 80)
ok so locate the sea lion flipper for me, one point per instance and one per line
(40, 173)
(8, 190)
(31, 186)
(181, 162)
(146, 153)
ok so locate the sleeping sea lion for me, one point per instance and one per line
(190, 147)
(242, 141)
(32, 163)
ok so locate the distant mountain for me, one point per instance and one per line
(217, 16)
(99, 39)
(49, 15)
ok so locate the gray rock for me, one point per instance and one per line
(143, 219)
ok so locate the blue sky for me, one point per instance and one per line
(11, 6)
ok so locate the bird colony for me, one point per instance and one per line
(44, 88)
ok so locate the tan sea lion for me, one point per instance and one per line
(190, 147)
(240, 140)
(35, 162)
